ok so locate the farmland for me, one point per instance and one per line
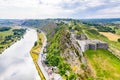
(111, 36)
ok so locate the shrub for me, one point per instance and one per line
(119, 40)
(35, 44)
(82, 66)
(72, 76)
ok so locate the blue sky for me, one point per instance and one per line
(39, 9)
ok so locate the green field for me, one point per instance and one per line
(8, 37)
(2, 38)
(5, 33)
(105, 64)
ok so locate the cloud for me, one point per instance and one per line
(114, 10)
(57, 8)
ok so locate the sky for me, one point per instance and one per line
(41, 9)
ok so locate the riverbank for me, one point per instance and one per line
(38, 53)
(9, 37)
(35, 51)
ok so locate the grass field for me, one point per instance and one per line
(117, 31)
(111, 36)
(105, 64)
(2, 36)
(5, 33)
(35, 53)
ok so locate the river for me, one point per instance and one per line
(16, 62)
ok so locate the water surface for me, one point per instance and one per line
(16, 62)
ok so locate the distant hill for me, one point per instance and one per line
(41, 22)
(10, 22)
(34, 23)
(109, 20)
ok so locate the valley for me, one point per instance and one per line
(72, 50)
(59, 39)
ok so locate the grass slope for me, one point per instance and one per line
(105, 64)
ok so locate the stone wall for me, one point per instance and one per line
(92, 44)
(102, 45)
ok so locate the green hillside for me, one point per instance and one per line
(105, 64)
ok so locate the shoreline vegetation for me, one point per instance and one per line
(35, 51)
(10, 35)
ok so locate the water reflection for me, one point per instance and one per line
(16, 62)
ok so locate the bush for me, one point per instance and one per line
(63, 67)
(82, 66)
(35, 44)
(72, 76)
(77, 27)
(119, 40)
